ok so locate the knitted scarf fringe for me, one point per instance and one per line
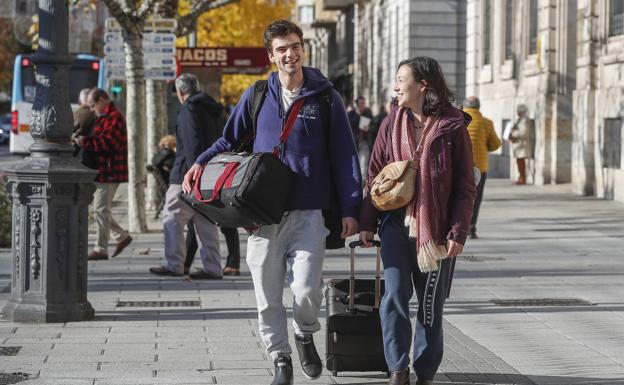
(429, 253)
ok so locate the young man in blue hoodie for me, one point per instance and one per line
(318, 152)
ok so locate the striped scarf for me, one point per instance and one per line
(420, 212)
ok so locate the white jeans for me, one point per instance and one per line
(176, 215)
(298, 241)
(105, 223)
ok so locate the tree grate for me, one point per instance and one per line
(478, 258)
(158, 303)
(13, 378)
(9, 350)
(542, 302)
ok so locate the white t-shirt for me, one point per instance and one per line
(288, 97)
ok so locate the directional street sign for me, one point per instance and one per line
(155, 74)
(158, 49)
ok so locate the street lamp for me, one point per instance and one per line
(51, 192)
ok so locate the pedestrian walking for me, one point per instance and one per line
(484, 140)
(84, 120)
(232, 241)
(108, 144)
(418, 239)
(319, 151)
(197, 127)
(360, 119)
(521, 138)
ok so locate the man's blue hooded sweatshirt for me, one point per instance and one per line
(306, 150)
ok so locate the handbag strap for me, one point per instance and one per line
(292, 117)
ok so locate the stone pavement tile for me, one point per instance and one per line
(57, 381)
(35, 349)
(153, 381)
(81, 373)
(73, 340)
(139, 356)
(67, 366)
(188, 363)
(77, 349)
(218, 364)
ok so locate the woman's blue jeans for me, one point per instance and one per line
(402, 276)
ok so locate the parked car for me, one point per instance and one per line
(5, 128)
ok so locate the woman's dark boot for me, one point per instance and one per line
(399, 378)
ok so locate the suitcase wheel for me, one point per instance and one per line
(335, 373)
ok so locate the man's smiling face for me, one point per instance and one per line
(287, 53)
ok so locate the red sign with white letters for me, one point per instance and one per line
(229, 59)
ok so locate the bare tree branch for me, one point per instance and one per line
(187, 23)
(147, 8)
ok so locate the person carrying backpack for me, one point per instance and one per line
(318, 163)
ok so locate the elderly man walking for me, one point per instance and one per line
(484, 140)
(108, 145)
(197, 128)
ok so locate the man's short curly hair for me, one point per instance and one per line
(280, 28)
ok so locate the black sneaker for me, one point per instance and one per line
(310, 360)
(283, 371)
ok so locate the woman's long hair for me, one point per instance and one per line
(437, 95)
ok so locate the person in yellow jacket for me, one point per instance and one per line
(484, 140)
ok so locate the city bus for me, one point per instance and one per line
(84, 73)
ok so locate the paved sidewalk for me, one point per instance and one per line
(536, 243)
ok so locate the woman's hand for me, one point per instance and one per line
(189, 177)
(366, 237)
(453, 248)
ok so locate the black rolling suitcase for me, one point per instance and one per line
(354, 339)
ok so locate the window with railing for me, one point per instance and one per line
(616, 17)
(533, 30)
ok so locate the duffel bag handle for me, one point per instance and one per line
(225, 180)
(352, 246)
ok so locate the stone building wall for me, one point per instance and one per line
(599, 100)
(388, 31)
(531, 63)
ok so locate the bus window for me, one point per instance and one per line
(84, 73)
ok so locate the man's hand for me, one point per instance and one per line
(453, 248)
(189, 177)
(366, 237)
(349, 227)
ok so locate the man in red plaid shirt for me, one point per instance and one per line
(108, 145)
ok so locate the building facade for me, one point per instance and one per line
(389, 31)
(564, 59)
(361, 43)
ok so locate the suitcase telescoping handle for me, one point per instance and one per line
(352, 246)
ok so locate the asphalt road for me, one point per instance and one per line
(6, 157)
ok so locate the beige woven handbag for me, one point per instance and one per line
(394, 186)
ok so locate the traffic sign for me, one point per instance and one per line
(164, 39)
(168, 25)
(154, 74)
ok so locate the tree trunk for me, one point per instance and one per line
(156, 127)
(135, 120)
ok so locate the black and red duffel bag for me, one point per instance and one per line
(242, 190)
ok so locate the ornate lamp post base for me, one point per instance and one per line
(51, 194)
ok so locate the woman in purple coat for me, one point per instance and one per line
(419, 240)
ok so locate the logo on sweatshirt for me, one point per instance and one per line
(309, 111)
